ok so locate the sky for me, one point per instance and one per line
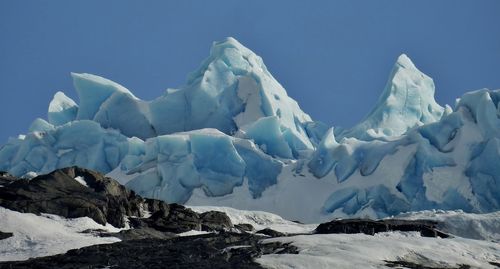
(333, 57)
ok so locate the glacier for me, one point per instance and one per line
(231, 136)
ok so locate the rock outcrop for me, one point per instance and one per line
(220, 250)
(371, 227)
(75, 192)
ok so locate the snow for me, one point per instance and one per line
(467, 225)
(366, 251)
(81, 180)
(192, 232)
(37, 236)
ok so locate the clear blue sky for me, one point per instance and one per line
(333, 57)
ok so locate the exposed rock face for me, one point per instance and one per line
(141, 233)
(6, 178)
(174, 219)
(246, 227)
(271, 232)
(371, 227)
(104, 200)
(221, 250)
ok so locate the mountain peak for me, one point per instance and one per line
(229, 55)
(405, 62)
(407, 101)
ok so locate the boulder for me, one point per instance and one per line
(215, 221)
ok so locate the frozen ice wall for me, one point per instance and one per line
(232, 136)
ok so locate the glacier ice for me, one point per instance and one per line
(232, 88)
(83, 143)
(232, 136)
(62, 109)
(407, 101)
(171, 166)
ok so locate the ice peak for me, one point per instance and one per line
(407, 101)
(229, 55)
(228, 42)
(405, 62)
(93, 91)
(62, 109)
(79, 79)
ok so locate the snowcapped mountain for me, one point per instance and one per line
(232, 137)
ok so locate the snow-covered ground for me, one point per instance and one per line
(259, 219)
(365, 251)
(37, 236)
(467, 225)
(44, 235)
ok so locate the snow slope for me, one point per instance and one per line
(37, 236)
(233, 137)
(366, 251)
(467, 225)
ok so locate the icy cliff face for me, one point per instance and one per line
(231, 136)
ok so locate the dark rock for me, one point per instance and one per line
(496, 264)
(5, 235)
(94, 231)
(245, 227)
(177, 219)
(371, 227)
(215, 221)
(142, 233)
(412, 265)
(6, 178)
(220, 250)
(105, 201)
(271, 232)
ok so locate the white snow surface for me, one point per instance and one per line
(45, 235)
(366, 251)
(81, 180)
(467, 225)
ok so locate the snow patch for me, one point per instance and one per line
(81, 180)
(45, 235)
